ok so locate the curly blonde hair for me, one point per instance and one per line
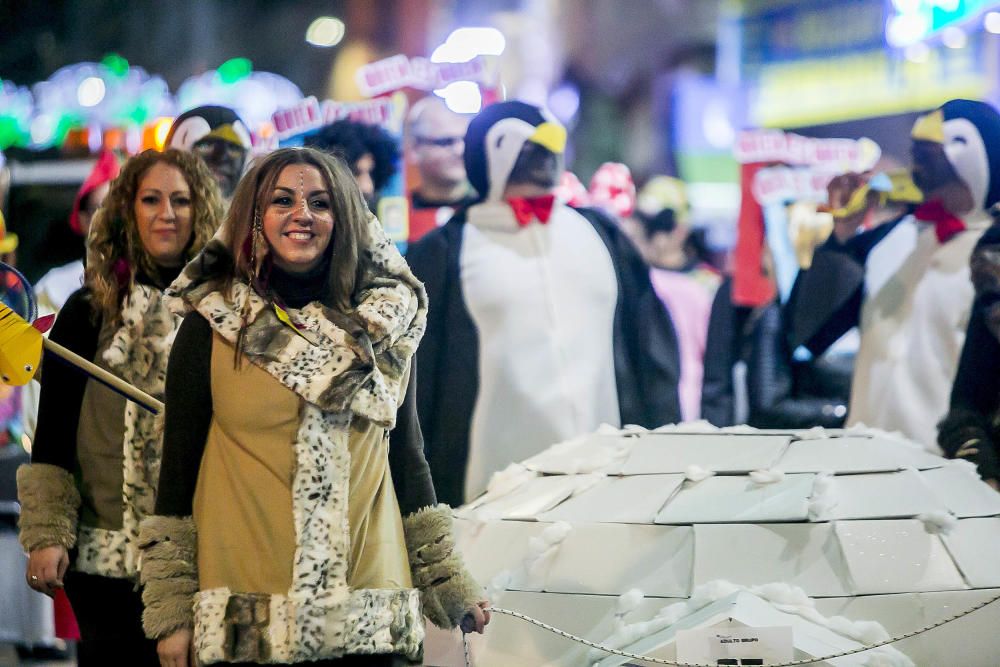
(114, 250)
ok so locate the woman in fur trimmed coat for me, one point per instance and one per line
(96, 457)
(296, 519)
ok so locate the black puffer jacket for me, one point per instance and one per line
(971, 429)
(787, 393)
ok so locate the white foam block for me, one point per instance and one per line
(971, 641)
(804, 555)
(588, 453)
(738, 498)
(855, 454)
(675, 452)
(494, 547)
(654, 559)
(896, 556)
(975, 546)
(634, 499)
(883, 495)
(960, 488)
(531, 498)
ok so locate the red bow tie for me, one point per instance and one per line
(946, 225)
(527, 209)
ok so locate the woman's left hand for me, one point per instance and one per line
(477, 618)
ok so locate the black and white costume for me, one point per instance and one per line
(908, 289)
(536, 332)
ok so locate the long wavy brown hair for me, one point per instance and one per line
(115, 253)
(350, 216)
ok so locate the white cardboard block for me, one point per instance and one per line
(802, 554)
(738, 498)
(512, 483)
(634, 499)
(654, 559)
(884, 495)
(531, 498)
(975, 546)
(896, 556)
(494, 547)
(852, 454)
(969, 641)
(961, 489)
(719, 452)
(593, 452)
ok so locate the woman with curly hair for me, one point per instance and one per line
(96, 457)
(295, 519)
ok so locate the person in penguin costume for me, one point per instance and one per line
(219, 137)
(906, 283)
(543, 324)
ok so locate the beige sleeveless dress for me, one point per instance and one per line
(243, 498)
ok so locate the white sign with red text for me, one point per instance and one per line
(311, 114)
(399, 72)
(776, 146)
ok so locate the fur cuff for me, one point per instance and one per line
(447, 589)
(169, 574)
(50, 505)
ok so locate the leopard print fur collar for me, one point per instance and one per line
(336, 361)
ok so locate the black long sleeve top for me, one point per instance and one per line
(63, 384)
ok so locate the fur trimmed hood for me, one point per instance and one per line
(337, 361)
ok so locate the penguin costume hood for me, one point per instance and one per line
(496, 138)
(969, 132)
(219, 137)
(206, 122)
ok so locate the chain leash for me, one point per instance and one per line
(674, 663)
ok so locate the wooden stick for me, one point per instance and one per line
(140, 397)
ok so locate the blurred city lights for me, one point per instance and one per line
(42, 129)
(954, 38)
(90, 92)
(907, 29)
(992, 22)
(918, 53)
(235, 69)
(718, 129)
(160, 131)
(464, 44)
(461, 96)
(564, 102)
(326, 31)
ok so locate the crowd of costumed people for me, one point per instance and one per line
(328, 399)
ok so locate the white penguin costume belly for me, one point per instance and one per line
(543, 299)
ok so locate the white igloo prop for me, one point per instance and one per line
(626, 537)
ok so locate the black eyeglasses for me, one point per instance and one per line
(440, 142)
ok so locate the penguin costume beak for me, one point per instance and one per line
(551, 136)
(229, 133)
(929, 127)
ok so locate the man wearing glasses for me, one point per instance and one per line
(435, 143)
